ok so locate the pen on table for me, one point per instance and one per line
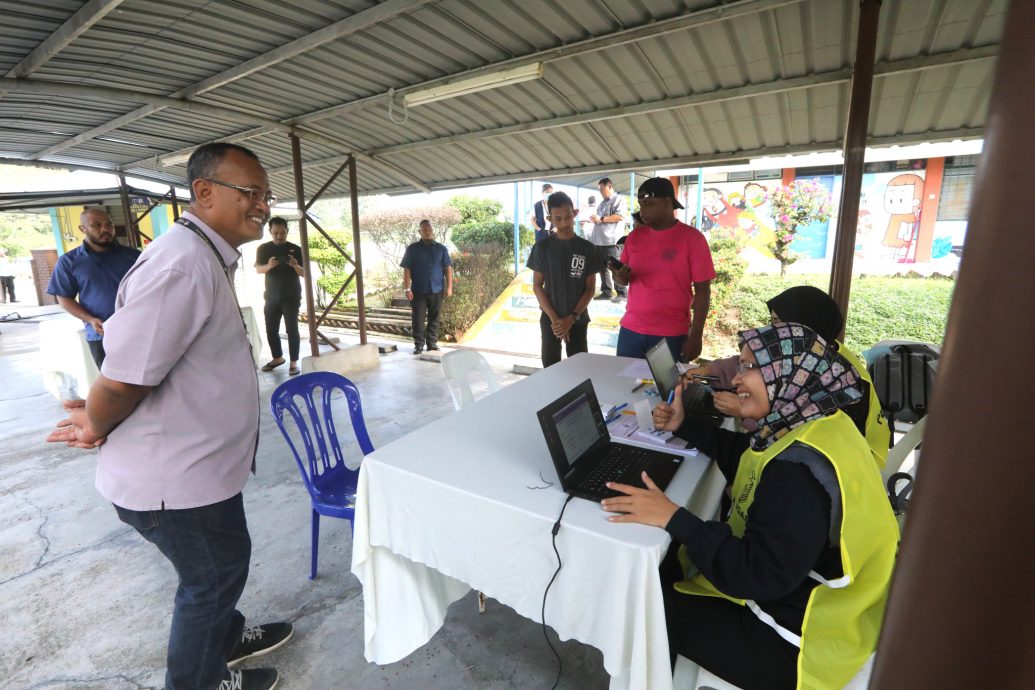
(615, 412)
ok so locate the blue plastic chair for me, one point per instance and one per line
(331, 484)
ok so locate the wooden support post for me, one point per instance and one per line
(854, 151)
(959, 614)
(357, 255)
(303, 238)
(127, 214)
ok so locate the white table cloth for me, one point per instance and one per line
(65, 360)
(452, 507)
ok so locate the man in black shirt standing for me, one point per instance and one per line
(280, 260)
(564, 268)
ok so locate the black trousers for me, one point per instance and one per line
(7, 289)
(730, 641)
(551, 351)
(426, 306)
(97, 351)
(274, 311)
(725, 638)
(607, 285)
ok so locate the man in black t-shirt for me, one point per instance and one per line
(280, 262)
(564, 279)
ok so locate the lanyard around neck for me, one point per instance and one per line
(193, 227)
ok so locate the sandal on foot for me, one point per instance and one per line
(271, 365)
(294, 371)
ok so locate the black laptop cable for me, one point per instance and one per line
(555, 530)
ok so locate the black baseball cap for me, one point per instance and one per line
(658, 187)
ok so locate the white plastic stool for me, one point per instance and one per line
(689, 676)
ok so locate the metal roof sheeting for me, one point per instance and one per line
(625, 85)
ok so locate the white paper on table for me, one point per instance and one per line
(627, 427)
(637, 370)
(643, 416)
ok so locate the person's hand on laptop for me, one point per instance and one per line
(648, 506)
(669, 417)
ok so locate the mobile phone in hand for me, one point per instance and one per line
(614, 264)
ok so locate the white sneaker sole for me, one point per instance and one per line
(263, 652)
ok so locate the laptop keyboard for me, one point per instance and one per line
(618, 462)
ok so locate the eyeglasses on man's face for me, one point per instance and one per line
(254, 193)
(745, 367)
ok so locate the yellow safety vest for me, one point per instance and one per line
(877, 433)
(843, 617)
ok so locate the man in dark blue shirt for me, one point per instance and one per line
(427, 273)
(92, 272)
(541, 215)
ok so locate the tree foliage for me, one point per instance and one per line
(490, 236)
(794, 206)
(334, 267)
(475, 209)
(20, 232)
(393, 229)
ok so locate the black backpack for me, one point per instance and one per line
(904, 382)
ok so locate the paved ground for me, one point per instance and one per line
(86, 603)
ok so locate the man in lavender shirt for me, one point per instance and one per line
(177, 410)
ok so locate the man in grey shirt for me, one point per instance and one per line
(608, 226)
(177, 409)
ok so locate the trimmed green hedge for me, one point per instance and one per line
(476, 236)
(879, 309)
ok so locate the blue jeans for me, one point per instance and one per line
(210, 548)
(633, 344)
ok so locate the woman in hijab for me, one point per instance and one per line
(789, 590)
(814, 308)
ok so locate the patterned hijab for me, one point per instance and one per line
(804, 378)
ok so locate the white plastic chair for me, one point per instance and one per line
(457, 366)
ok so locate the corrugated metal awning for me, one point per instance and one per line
(135, 85)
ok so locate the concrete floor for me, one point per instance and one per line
(86, 603)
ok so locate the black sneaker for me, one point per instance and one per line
(417, 349)
(432, 348)
(260, 639)
(603, 295)
(250, 679)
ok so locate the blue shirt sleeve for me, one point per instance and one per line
(446, 259)
(407, 260)
(62, 281)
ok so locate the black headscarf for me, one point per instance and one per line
(811, 307)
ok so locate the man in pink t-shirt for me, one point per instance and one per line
(670, 265)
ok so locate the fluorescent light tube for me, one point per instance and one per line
(481, 82)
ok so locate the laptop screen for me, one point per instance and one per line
(576, 428)
(663, 368)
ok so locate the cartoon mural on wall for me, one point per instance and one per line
(889, 216)
(742, 209)
(889, 227)
(902, 198)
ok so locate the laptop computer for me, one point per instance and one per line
(584, 455)
(663, 368)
